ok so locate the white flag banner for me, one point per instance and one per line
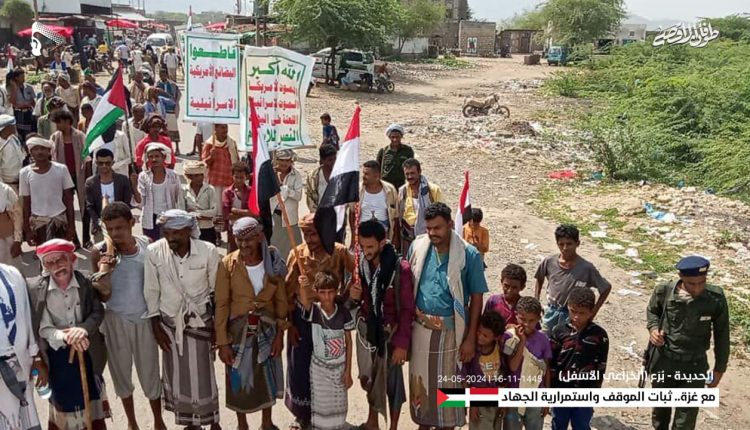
(277, 80)
(212, 77)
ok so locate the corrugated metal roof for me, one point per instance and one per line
(132, 16)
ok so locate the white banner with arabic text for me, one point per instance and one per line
(277, 80)
(212, 77)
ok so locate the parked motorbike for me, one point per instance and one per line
(385, 83)
(489, 106)
(505, 52)
(105, 63)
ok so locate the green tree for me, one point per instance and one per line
(573, 21)
(417, 18)
(339, 24)
(732, 27)
(18, 12)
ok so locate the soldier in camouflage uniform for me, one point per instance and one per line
(693, 311)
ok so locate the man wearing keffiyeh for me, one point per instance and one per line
(384, 317)
(251, 311)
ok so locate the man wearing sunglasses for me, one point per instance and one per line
(105, 184)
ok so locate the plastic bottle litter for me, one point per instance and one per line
(44, 392)
(659, 215)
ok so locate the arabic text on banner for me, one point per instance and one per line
(212, 77)
(277, 80)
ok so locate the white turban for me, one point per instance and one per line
(273, 263)
(156, 146)
(6, 120)
(178, 219)
(38, 141)
(394, 127)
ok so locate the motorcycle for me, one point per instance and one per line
(489, 106)
(105, 63)
(505, 52)
(385, 84)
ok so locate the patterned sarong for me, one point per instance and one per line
(188, 380)
(433, 365)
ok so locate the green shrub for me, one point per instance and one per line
(668, 114)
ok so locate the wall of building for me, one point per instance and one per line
(477, 38)
(519, 41)
(631, 32)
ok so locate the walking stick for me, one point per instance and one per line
(84, 385)
(285, 216)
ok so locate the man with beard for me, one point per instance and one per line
(414, 198)
(251, 312)
(19, 354)
(179, 280)
(314, 259)
(386, 312)
(67, 314)
(128, 337)
(450, 282)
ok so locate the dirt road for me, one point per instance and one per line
(428, 103)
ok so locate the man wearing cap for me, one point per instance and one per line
(128, 336)
(70, 94)
(158, 189)
(219, 152)
(67, 314)
(682, 316)
(19, 354)
(392, 157)
(12, 156)
(200, 199)
(314, 259)
(46, 189)
(179, 278)
(90, 96)
(291, 193)
(251, 311)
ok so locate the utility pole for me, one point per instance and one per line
(36, 11)
(256, 13)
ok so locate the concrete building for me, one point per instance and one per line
(476, 38)
(456, 9)
(629, 33)
(520, 41)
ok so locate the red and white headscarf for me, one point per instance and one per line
(54, 246)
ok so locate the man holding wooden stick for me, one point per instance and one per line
(67, 314)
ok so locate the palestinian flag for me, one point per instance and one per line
(463, 213)
(467, 397)
(343, 187)
(265, 182)
(113, 105)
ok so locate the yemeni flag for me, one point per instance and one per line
(467, 397)
(265, 183)
(113, 105)
(343, 188)
(463, 214)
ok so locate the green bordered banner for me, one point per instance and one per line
(277, 79)
(212, 77)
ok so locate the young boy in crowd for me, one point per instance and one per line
(330, 134)
(331, 364)
(234, 200)
(528, 353)
(513, 281)
(579, 347)
(564, 272)
(486, 369)
(476, 234)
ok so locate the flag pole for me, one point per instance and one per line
(355, 238)
(289, 232)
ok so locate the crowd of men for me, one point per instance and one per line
(165, 301)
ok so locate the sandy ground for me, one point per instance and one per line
(501, 184)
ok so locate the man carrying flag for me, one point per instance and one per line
(265, 182)
(113, 105)
(319, 252)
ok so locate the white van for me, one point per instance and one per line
(160, 41)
